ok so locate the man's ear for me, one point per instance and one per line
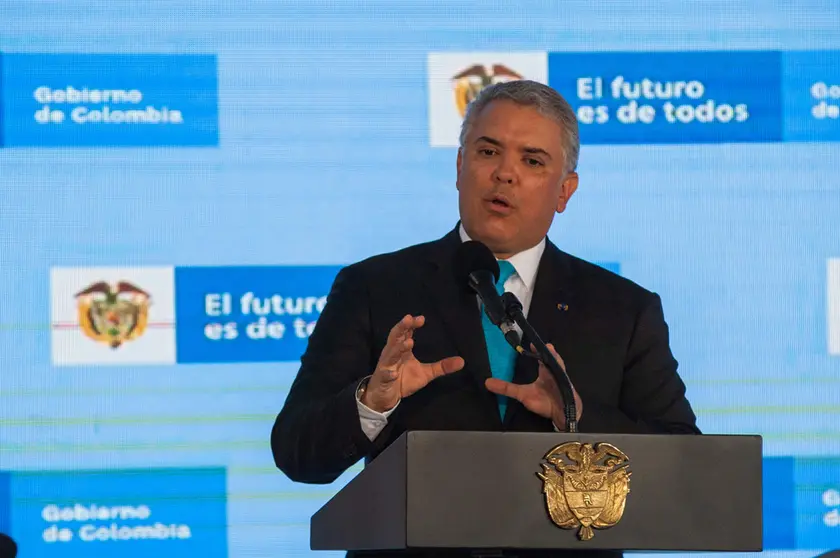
(567, 190)
(458, 161)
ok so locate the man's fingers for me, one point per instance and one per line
(405, 326)
(391, 353)
(445, 366)
(501, 387)
(399, 337)
(400, 328)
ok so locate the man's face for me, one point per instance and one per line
(511, 177)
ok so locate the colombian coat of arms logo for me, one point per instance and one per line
(113, 314)
(585, 487)
(469, 82)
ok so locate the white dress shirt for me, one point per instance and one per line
(520, 283)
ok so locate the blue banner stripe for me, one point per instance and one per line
(129, 513)
(247, 314)
(109, 100)
(671, 97)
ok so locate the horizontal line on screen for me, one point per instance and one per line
(46, 326)
(270, 417)
(72, 325)
(123, 390)
(249, 496)
(141, 419)
(239, 470)
(284, 387)
(262, 445)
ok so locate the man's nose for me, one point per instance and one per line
(505, 171)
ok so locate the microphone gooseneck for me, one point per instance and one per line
(477, 269)
(513, 308)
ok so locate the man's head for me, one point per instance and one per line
(516, 164)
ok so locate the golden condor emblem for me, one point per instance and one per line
(585, 486)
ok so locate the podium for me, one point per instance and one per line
(532, 491)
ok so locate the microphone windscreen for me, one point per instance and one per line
(8, 548)
(473, 256)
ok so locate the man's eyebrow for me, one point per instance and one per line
(536, 151)
(488, 139)
(526, 149)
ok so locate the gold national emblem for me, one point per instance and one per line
(585, 487)
(469, 83)
(113, 315)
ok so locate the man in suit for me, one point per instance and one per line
(401, 344)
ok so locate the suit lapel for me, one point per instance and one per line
(460, 312)
(552, 293)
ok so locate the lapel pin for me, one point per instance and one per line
(562, 306)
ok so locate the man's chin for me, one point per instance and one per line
(498, 239)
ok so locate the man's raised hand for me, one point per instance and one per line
(398, 373)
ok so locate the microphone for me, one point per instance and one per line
(476, 267)
(8, 548)
(513, 308)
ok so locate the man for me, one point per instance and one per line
(401, 344)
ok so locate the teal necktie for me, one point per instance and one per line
(501, 354)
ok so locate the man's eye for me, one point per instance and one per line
(486, 152)
(533, 162)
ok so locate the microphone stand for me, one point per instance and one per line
(513, 308)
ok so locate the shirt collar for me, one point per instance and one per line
(525, 263)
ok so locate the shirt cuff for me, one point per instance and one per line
(372, 422)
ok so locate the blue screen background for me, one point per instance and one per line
(323, 158)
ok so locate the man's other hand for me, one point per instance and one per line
(542, 396)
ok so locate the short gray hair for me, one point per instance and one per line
(543, 98)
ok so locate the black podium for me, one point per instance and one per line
(509, 490)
